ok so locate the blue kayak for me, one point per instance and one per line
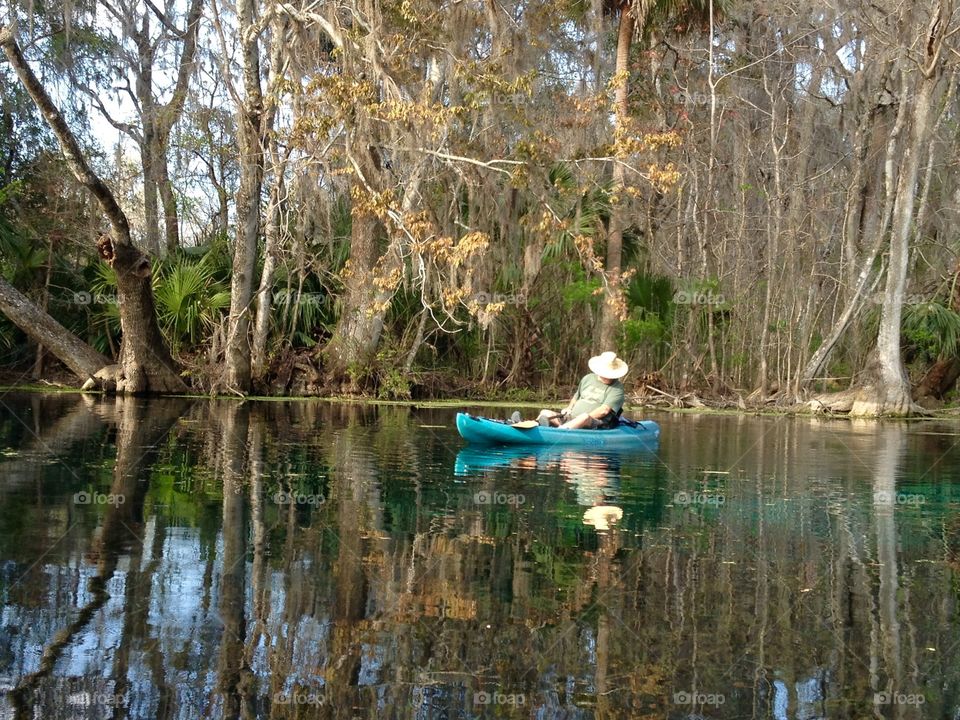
(484, 431)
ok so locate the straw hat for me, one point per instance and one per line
(608, 365)
(603, 516)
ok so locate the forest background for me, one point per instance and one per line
(406, 198)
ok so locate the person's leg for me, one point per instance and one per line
(581, 422)
(549, 418)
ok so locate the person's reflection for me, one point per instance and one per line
(596, 478)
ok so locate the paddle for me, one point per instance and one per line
(525, 424)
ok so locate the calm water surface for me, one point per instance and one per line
(195, 559)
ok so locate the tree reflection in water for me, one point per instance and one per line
(285, 560)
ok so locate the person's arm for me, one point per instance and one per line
(580, 420)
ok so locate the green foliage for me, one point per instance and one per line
(643, 328)
(104, 312)
(581, 290)
(190, 301)
(650, 306)
(394, 385)
(931, 329)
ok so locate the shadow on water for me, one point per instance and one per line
(183, 559)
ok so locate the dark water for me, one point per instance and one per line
(190, 559)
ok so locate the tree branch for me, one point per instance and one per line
(68, 142)
(168, 115)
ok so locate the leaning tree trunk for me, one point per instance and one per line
(145, 362)
(610, 314)
(891, 393)
(82, 359)
(250, 115)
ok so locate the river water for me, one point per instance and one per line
(212, 559)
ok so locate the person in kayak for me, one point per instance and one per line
(598, 401)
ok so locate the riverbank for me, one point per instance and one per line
(724, 406)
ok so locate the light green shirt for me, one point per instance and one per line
(593, 392)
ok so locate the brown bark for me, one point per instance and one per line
(250, 115)
(145, 362)
(278, 164)
(82, 360)
(261, 327)
(609, 318)
(939, 379)
(358, 331)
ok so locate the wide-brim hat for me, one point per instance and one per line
(603, 516)
(608, 365)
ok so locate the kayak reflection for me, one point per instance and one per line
(594, 475)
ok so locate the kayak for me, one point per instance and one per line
(629, 434)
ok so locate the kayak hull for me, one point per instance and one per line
(483, 431)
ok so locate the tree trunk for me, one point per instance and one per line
(83, 360)
(939, 379)
(357, 337)
(358, 331)
(165, 117)
(891, 394)
(250, 115)
(148, 139)
(610, 314)
(171, 216)
(874, 220)
(145, 362)
(261, 327)
(278, 165)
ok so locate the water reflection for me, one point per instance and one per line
(594, 475)
(284, 560)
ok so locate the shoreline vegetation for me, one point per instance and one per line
(755, 207)
(635, 405)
